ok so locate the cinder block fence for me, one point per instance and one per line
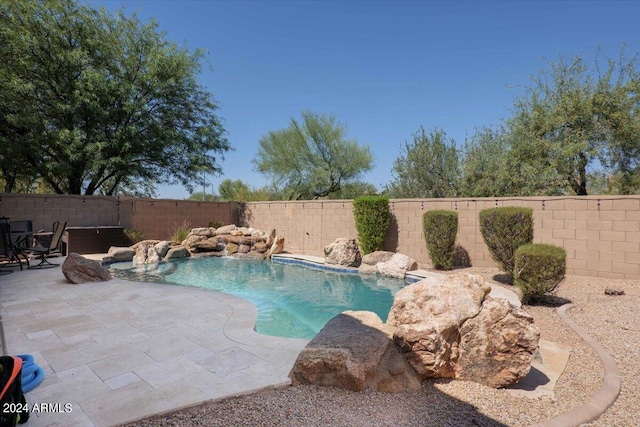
(600, 233)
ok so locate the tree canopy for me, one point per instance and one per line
(574, 116)
(311, 158)
(427, 167)
(100, 104)
(576, 130)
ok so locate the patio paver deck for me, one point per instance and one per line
(119, 351)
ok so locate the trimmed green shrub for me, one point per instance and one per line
(440, 229)
(504, 230)
(538, 269)
(215, 224)
(372, 217)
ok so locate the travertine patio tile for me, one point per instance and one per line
(40, 334)
(138, 400)
(77, 418)
(162, 347)
(74, 385)
(168, 371)
(55, 324)
(87, 339)
(80, 353)
(29, 346)
(228, 361)
(127, 360)
(119, 332)
(122, 380)
(251, 379)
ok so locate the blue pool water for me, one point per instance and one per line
(292, 300)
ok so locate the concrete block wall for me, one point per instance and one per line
(308, 226)
(78, 211)
(158, 219)
(600, 234)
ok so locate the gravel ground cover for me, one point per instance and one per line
(612, 320)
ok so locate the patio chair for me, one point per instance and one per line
(12, 245)
(42, 252)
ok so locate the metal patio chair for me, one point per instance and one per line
(41, 252)
(12, 245)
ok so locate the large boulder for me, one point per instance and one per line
(203, 231)
(354, 351)
(162, 248)
(146, 253)
(369, 261)
(343, 252)
(427, 316)
(78, 269)
(497, 346)
(449, 328)
(277, 246)
(118, 253)
(193, 239)
(177, 252)
(377, 256)
(397, 266)
(225, 229)
(209, 245)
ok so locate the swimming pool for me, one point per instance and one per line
(293, 300)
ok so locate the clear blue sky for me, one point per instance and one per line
(384, 68)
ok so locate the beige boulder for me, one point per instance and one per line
(397, 266)
(121, 253)
(427, 316)
(162, 248)
(225, 229)
(78, 269)
(203, 231)
(354, 351)
(146, 253)
(192, 239)
(497, 346)
(276, 247)
(377, 256)
(177, 252)
(450, 328)
(344, 252)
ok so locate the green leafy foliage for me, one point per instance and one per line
(100, 103)
(440, 229)
(428, 167)
(538, 269)
(133, 236)
(372, 216)
(215, 224)
(504, 230)
(574, 116)
(311, 158)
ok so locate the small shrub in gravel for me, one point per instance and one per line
(440, 229)
(538, 270)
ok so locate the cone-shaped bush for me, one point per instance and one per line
(538, 269)
(504, 230)
(372, 218)
(440, 229)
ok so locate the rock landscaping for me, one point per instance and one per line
(203, 241)
(78, 269)
(444, 328)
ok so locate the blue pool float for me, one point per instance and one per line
(32, 374)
